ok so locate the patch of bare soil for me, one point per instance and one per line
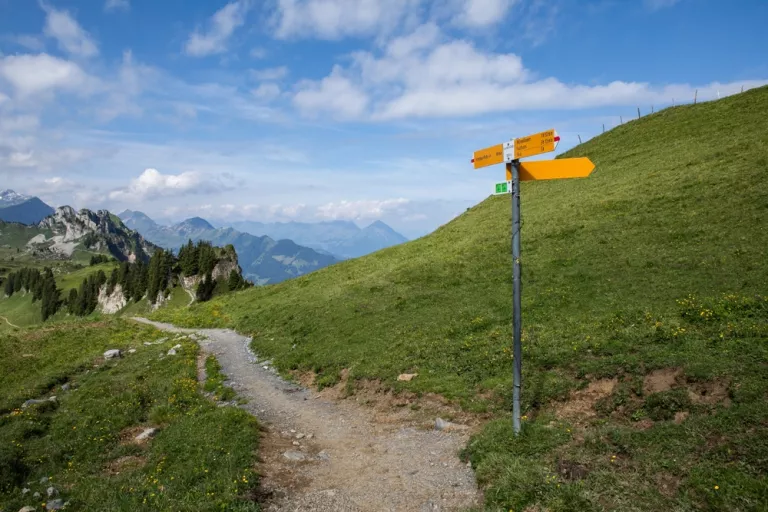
(123, 464)
(581, 404)
(667, 484)
(661, 380)
(710, 393)
(392, 407)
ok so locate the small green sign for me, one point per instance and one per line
(502, 188)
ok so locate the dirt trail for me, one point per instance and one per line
(354, 460)
(9, 323)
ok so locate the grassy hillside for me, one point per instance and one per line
(82, 445)
(657, 262)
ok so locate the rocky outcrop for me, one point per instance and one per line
(94, 231)
(112, 303)
(227, 263)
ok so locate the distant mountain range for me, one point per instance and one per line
(264, 260)
(23, 209)
(343, 239)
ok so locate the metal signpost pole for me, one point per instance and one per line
(511, 152)
(517, 349)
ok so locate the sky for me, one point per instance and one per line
(313, 110)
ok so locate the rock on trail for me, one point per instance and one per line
(352, 462)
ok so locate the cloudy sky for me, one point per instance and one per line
(276, 110)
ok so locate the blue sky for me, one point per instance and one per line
(310, 110)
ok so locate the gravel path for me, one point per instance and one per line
(337, 455)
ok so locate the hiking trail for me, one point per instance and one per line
(323, 454)
(9, 323)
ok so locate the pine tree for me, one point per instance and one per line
(50, 295)
(9, 284)
(72, 302)
(205, 288)
(235, 281)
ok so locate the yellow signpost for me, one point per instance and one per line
(536, 144)
(488, 156)
(510, 153)
(556, 169)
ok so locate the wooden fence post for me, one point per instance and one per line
(579, 136)
(695, 96)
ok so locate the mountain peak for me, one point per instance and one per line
(11, 198)
(196, 223)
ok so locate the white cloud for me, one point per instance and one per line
(61, 26)
(26, 152)
(22, 123)
(29, 42)
(333, 19)
(481, 13)
(117, 5)
(357, 210)
(334, 94)
(152, 184)
(222, 26)
(32, 74)
(425, 75)
(266, 91)
(268, 74)
(132, 79)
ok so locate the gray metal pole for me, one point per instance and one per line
(517, 348)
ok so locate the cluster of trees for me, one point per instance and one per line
(83, 301)
(197, 259)
(136, 280)
(100, 258)
(42, 285)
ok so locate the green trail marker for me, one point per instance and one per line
(503, 188)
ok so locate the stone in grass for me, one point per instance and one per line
(407, 377)
(66, 387)
(44, 480)
(30, 403)
(112, 354)
(37, 495)
(27, 509)
(132, 351)
(52, 492)
(173, 352)
(25, 491)
(54, 505)
(146, 435)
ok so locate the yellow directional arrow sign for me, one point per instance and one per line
(536, 144)
(488, 156)
(556, 169)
